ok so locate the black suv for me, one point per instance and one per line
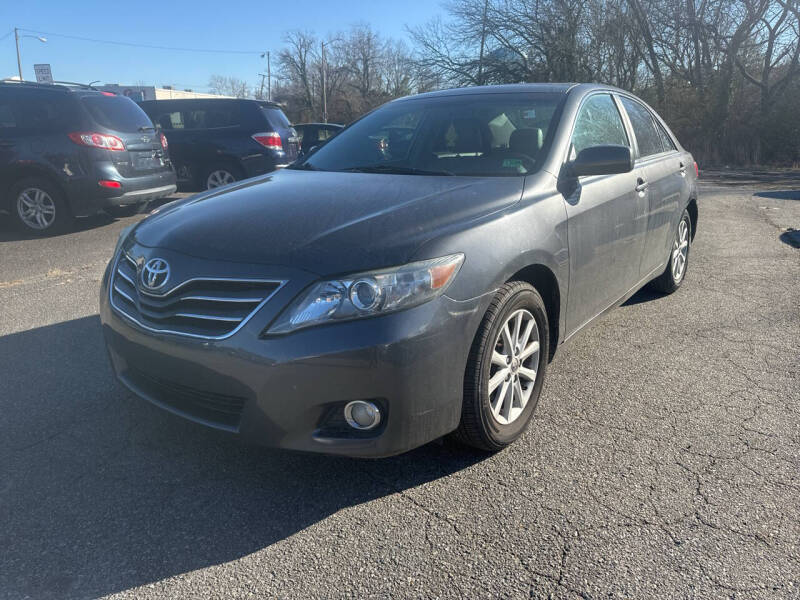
(217, 141)
(315, 134)
(69, 150)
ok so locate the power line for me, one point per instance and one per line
(134, 45)
(6, 35)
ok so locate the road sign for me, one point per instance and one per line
(43, 73)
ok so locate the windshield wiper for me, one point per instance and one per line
(303, 167)
(396, 169)
(144, 128)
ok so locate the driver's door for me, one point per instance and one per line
(606, 219)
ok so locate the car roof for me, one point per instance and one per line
(220, 100)
(317, 124)
(510, 88)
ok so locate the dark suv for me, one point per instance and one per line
(69, 151)
(217, 141)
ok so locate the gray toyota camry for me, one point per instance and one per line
(411, 278)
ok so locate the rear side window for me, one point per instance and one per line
(666, 142)
(598, 124)
(7, 119)
(169, 120)
(211, 117)
(644, 128)
(275, 117)
(36, 112)
(117, 112)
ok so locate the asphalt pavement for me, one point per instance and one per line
(663, 460)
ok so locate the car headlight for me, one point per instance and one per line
(369, 294)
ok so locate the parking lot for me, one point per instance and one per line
(663, 461)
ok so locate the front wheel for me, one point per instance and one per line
(506, 369)
(673, 275)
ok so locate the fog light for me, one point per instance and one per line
(362, 415)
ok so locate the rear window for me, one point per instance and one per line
(117, 112)
(275, 117)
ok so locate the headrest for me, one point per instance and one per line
(526, 141)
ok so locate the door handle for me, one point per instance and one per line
(641, 185)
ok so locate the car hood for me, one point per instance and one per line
(324, 222)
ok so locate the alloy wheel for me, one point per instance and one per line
(680, 250)
(36, 208)
(218, 178)
(515, 359)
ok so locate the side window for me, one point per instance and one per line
(41, 113)
(324, 134)
(170, 120)
(210, 117)
(666, 142)
(8, 122)
(598, 124)
(644, 128)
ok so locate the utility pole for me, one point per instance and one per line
(324, 91)
(261, 91)
(269, 78)
(483, 43)
(19, 62)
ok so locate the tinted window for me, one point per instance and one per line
(169, 120)
(212, 116)
(477, 134)
(275, 117)
(117, 112)
(666, 142)
(7, 118)
(644, 128)
(598, 124)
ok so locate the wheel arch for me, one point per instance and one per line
(18, 173)
(546, 283)
(693, 215)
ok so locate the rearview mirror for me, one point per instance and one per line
(602, 160)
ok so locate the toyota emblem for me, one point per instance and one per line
(155, 273)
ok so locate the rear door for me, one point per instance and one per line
(663, 173)
(9, 133)
(122, 117)
(605, 219)
(169, 116)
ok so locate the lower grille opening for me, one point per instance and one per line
(216, 409)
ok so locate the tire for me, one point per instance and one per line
(221, 174)
(485, 422)
(126, 210)
(675, 272)
(38, 206)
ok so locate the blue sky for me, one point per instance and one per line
(226, 25)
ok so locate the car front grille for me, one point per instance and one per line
(212, 308)
(220, 410)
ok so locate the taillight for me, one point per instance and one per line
(270, 140)
(164, 142)
(98, 140)
(109, 183)
(696, 169)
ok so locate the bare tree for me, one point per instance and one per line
(228, 86)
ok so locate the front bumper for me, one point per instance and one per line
(289, 391)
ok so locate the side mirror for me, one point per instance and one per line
(602, 160)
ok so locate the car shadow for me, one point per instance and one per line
(780, 194)
(10, 233)
(643, 295)
(101, 492)
(791, 237)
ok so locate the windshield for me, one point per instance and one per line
(118, 113)
(476, 134)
